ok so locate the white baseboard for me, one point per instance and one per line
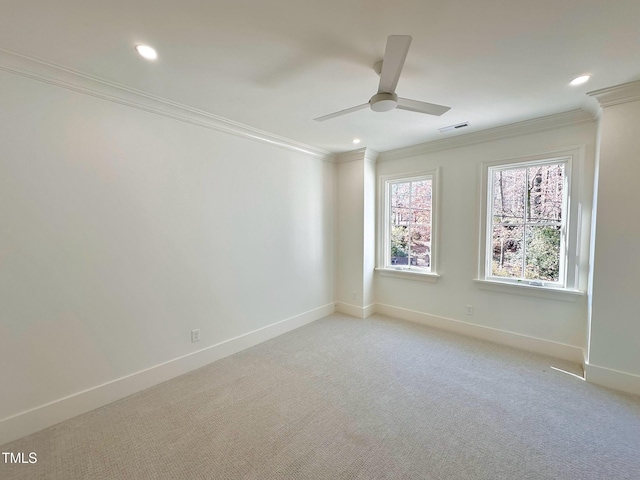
(369, 310)
(355, 311)
(30, 421)
(523, 342)
(607, 377)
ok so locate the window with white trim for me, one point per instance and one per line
(529, 234)
(408, 223)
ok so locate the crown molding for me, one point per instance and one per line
(69, 79)
(505, 131)
(364, 153)
(624, 93)
(371, 155)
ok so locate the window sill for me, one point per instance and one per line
(407, 274)
(540, 291)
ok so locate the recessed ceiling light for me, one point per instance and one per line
(355, 141)
(580, 80)
(147, 52)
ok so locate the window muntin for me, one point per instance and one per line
(408, 239)
(527, 222)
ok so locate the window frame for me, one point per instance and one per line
(572, 157)
(384, 196)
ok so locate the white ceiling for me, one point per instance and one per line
(275, 65)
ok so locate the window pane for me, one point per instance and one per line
(422, 216)
(509, 195)
(543, 253)
(400, 194)
(507, 251)
(421, 246)
(400, 216)
(421, 201)
(399, 245)
(545, 192)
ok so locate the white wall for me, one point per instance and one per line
(350, 232)
(356, 179)
(541, 318)
(122, 230)
(615, 320)
(369, 233)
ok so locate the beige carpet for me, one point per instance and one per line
(344, 398)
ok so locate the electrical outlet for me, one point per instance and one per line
(195, 335)
(469, 310)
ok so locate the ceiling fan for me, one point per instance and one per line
(389, 69)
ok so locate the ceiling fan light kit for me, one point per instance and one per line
(383, 102)
(389, 70)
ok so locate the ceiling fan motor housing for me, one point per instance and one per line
(383, 102)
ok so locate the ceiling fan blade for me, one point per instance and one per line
(421, 107)
(393, 61)
(341, 112)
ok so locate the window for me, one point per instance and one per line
(408, 223)
(527, 212)
(530, 224)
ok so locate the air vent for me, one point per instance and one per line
(450, 128)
